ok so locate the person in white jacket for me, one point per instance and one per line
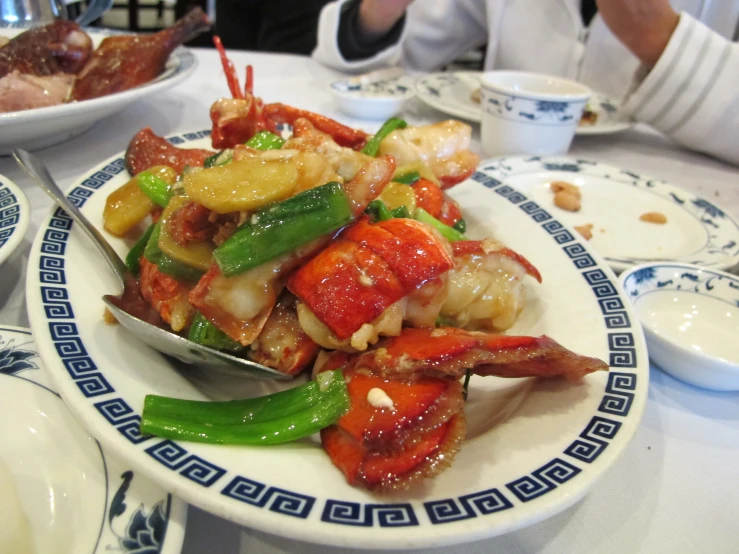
(675, 65)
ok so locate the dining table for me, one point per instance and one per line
(674, 489)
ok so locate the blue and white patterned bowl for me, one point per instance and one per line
(372, 99)
(72, 495)
(529, 113)
(14, 217)
(691, 321)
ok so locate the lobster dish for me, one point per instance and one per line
(338, 254)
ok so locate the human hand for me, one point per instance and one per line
(377, 17)
(643, 26)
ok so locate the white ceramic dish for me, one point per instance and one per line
(451, 93)
(610, 118)
(697, 231)
(42, 127)
(529, 113)
(372, 99)
(691, 320)
(544, 458)
(15, 214)
(75, 496)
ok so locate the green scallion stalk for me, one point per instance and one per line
(264, 140)
(283, 226)
(460, 226)
(250, 410)
(134, 255)
(378, 211)
(204, 332)
(447, 232)
(219, 158)
(407, 178)
(401, 211)
(158, 190)
(373, 145)
(225, 423)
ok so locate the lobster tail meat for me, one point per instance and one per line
(368, 268)
(449, 352)
(413, 436)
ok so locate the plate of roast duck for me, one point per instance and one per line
(57, 80)
(457, 361)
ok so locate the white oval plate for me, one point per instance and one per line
(76, 497)
(42, 127)
(451, 93)
(14, 217)
(542, 459)
(697, 231)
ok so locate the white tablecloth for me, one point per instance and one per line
(675, 489)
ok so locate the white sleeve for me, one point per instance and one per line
(435, 33)
(691, 94)
(327, 50)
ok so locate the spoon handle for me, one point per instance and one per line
(36, 169)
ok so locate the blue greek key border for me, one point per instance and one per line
(592, 441)
(10, 213)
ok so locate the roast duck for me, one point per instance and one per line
(56, 63)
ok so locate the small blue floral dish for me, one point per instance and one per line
(375, 96)
(62, 492)
(690, 317)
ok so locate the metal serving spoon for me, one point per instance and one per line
(140, 324)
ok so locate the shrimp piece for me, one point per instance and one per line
(235, 120)
(485, 286)
(443, 147)
(345, 161)
(167, 295)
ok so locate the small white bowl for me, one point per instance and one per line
(376, 100)
(529, 113)
(690, 318)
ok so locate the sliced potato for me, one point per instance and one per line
(243, 185)
(397, 194)
(195, 254)
(125, 207)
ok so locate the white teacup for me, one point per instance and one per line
(529, 113)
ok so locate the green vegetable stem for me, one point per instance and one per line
(272, 419)
(283, 226)
(373, 145)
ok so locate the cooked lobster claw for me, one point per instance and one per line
(417, 425)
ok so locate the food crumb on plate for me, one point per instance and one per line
(585, 230)
(654, 217)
